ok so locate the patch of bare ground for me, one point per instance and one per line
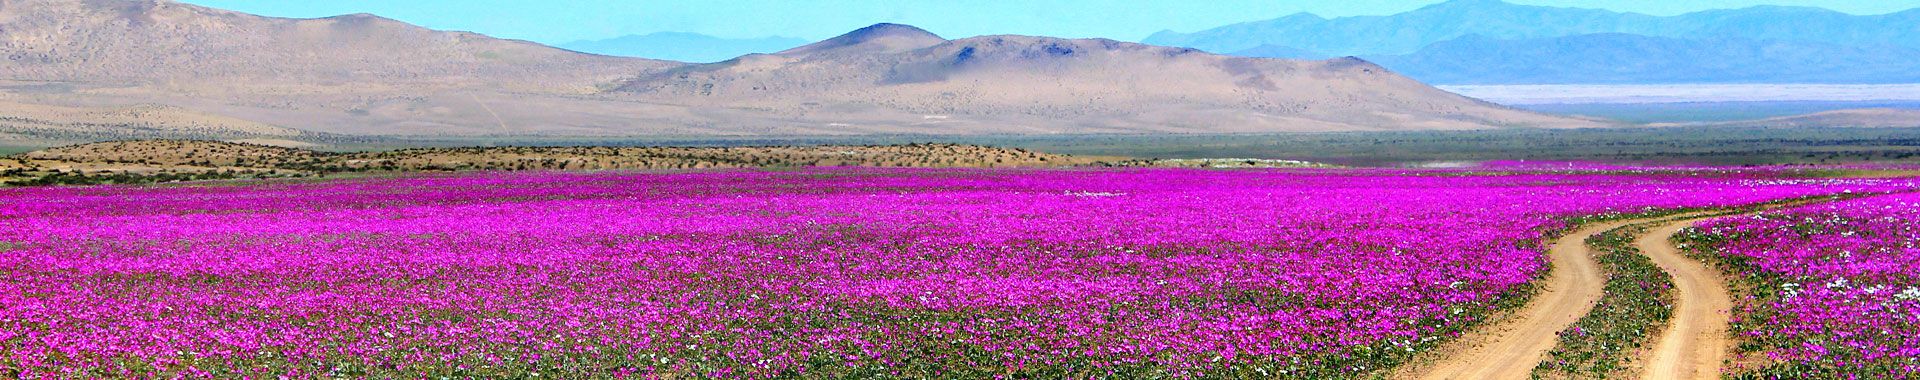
(34, 123)
(1692, 344)
(1513, 344)
(1695, 342)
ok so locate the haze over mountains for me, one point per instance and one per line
(1494, 42)
(1613, 58)
(366, 75)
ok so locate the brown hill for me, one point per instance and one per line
(897, 78)
(162, 42)
(365, 75)
(170, 153)
(876, 39)
(353, 74)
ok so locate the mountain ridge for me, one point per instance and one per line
(1404, 33)
(1011, 80)
(878, 38)
(363, 75)
(1615, 58)
(164, 41)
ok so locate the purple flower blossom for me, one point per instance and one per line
(820, 272)
(1837, 286)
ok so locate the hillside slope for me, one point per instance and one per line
(361, 75)
(1016, 84)
(162, 42)
(25, 124)
(352, 74)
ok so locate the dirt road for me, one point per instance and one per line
(1511, 348)
(1693, 346)
(1695, 342)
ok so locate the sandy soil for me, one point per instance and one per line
(1695, 342)
(1511, 348)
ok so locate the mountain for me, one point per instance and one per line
(352, 74)
(156, 41)
(1634, 59)
(684, 47)
(1408, 32)
(349, 77)
(913, 81)
(883, 38)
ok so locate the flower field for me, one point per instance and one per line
(1834, 288)
(828, 273)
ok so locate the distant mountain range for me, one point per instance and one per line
(1633, 59)
(684, 47)
(1494, 42)
(363, 75)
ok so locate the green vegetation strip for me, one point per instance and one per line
(1638, 298)
(124, 178)
(1637, 303)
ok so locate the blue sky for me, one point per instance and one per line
(559, 21)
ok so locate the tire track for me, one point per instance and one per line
(1695, 342)
(1511, 348)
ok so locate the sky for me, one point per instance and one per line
(561, 21)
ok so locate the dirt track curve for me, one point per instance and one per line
(1693, 346)
(1695, 342)
(1511, 348)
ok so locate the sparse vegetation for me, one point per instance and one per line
(152, 161)
(1822, 291)
(1216, 163)
(1691, 145)
(1637, 304)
